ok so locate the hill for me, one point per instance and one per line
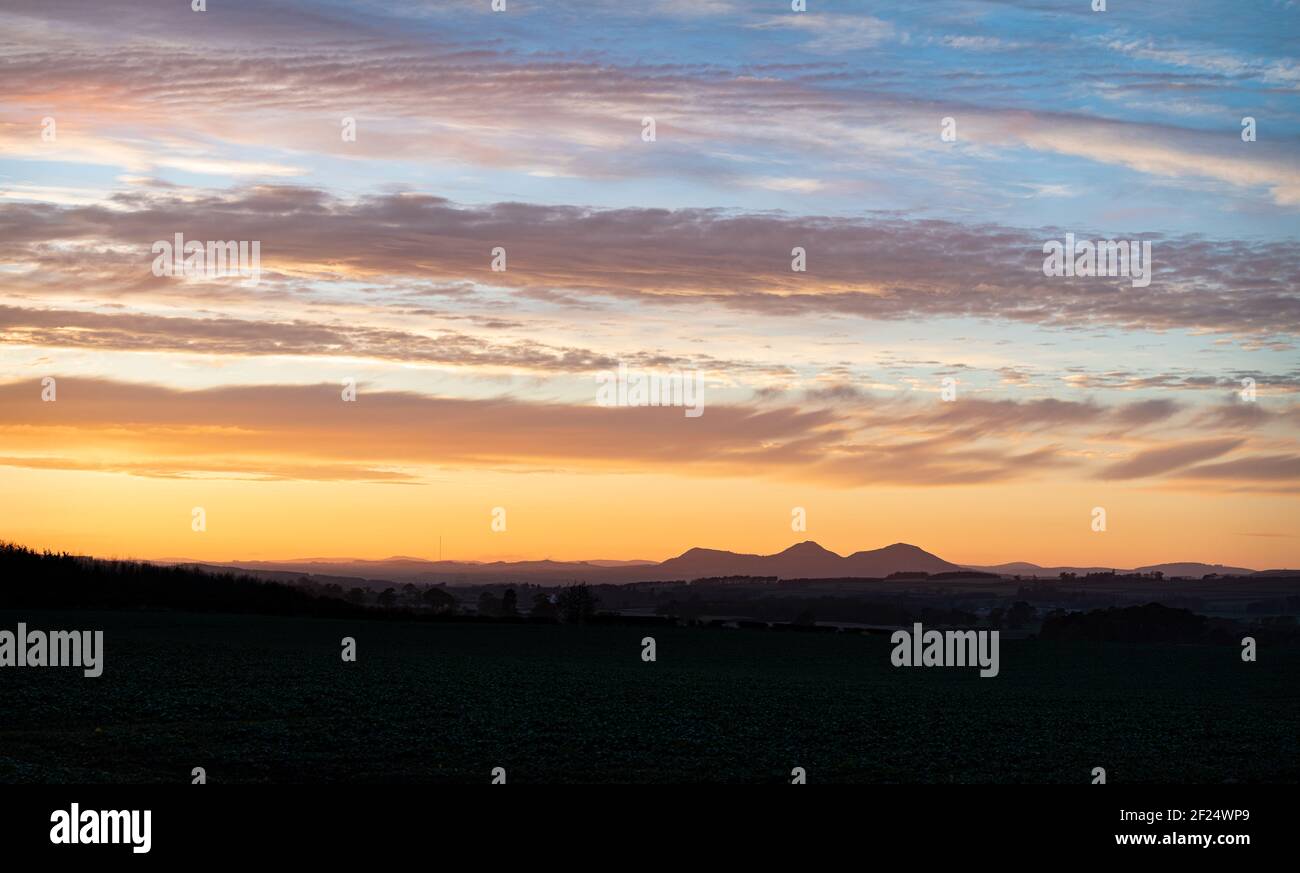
(61, 581)
(806, 560)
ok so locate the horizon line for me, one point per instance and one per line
(172, 559)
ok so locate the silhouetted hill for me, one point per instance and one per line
(806, 560)
(48, 580)
(900, 557)
(1184, 569)
(421, 571)
(1024, 568)
(1193, 569)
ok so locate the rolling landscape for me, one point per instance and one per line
(240, 671)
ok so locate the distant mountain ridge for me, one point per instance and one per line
(805, 560)
(1183, 568)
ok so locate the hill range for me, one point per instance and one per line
(806, 560)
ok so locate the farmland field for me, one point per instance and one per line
(258, 699)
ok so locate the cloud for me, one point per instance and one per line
(1275, 469)
(838, 438)
(378, 275)
(138, 332)
(884, 269)
(829, 33)
(1152, 462)
(75, 145)
(309, 431)
(981, 43)
(289, 75)
(1144, 412)
(1213, 60)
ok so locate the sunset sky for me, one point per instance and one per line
(523, 129)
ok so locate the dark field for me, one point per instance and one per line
(255, 699)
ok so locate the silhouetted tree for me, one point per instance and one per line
(576, 603)
(488, 604)
(357, 596)
(438, 600)
(510, 603)
(1020, 614)
(388, 598)
(542, 605)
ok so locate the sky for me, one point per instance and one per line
(467, 218)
